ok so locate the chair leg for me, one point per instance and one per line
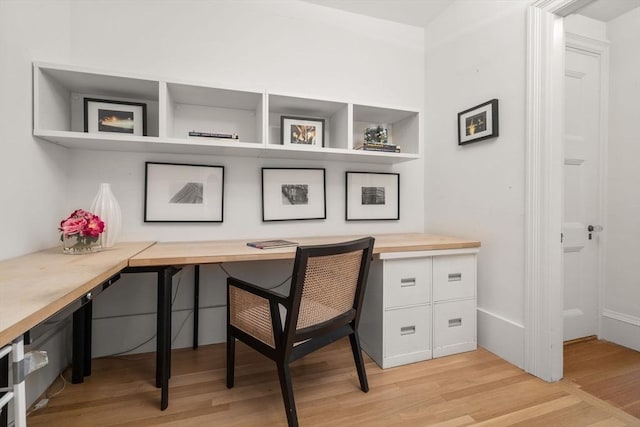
(357, 357)
(231, 358)
(287, 393)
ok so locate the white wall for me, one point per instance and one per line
(286, 45)
(621, 321)
(32, 173)
(475, 51)
(280, 46)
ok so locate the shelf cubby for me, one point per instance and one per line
(59, 97)
(403, 126)
(214, 110)
(335, 115)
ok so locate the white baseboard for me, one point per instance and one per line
(621, 329)
(501, 336)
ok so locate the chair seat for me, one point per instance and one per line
(257, 320)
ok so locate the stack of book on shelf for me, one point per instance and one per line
(378, 146)
(214, 135)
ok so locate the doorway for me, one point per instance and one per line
(543, 257)
(584, 140)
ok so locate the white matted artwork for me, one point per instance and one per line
(372, 196)
(302, 131)
(183, 193)
(119, 117)
(292, 194)
(478, 123)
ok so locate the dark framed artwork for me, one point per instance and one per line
(109, 116)
(372, 196)
(293, 194)
(183, 192)
(302, 131)
(478, 123)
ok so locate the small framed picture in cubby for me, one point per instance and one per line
(112, 116)
(302, 131)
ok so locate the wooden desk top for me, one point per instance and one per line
(33, 287)
(206, 252)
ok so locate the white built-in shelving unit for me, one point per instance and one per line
(174, 108)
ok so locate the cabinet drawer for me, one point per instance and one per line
(407, 282)
(454, 327)
(454, 276)
(407, 330)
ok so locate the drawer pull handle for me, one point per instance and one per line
(408, 330)
(455, 322)
(409, 281)
(455, 277)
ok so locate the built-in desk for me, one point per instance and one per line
(165, 257)
(36, 286)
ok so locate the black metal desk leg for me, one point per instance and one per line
(88, 318)
(163, 344)
(196, 304)
(81, 346)
(78, 346)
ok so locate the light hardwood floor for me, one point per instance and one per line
(474, 388)
(605, 370)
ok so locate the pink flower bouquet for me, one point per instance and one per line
(80, 231)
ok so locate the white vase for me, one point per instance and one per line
(107, 208)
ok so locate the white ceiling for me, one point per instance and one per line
(420, 12)
(412, 12)
(606, 10)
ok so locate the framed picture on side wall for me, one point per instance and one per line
(478, 123)
(372, 196)
(292, 194)
(108, 116)
(183, 192)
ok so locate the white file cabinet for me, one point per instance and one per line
(419, 305)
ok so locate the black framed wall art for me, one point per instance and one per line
(302, 131)
(293, 194)
(372, 196)
(478, 123)
(120, 117)
(183, 193)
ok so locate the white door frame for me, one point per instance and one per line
(543, 187)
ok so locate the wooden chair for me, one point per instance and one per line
(323, 305)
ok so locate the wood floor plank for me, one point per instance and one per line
(474, 388)
(605, 370)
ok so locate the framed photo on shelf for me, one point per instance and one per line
(293, 194)
(478, 123)
(372, 196)
(108, 116)
(302, 131)
(183, 192)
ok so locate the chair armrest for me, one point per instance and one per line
(257, 290)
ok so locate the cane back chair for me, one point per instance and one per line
(323, 305)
